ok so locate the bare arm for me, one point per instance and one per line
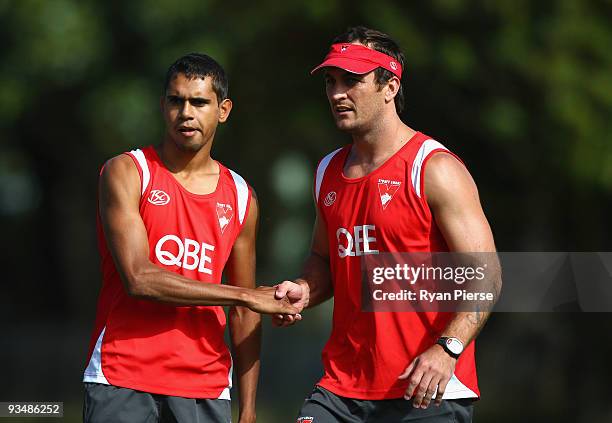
(453, 199)
(245, 325)
(128, 243)
(459, 215)
(314, 286)
(315, 272)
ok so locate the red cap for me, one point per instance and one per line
(357, 58)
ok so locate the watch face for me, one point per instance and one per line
(454, 345)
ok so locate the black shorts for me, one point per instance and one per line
(111, 404)
(323, 406)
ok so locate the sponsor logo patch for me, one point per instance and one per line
(305, 419)
(187, 253)
(225, 214)
(386, 189)
(330, 198)
(157, 197)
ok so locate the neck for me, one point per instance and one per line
(178, 160)
(382, 140)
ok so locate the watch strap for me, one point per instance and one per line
(442, 342)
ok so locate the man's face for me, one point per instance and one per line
(192, 112)
(356, 100)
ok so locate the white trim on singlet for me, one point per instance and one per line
(144, 167)
(321, 171)
(225, 394)
(242, 189)
(455, 389)
(426, 148)
(93, 373)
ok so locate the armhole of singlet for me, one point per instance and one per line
(243, 194)
(321, 168)
(417, 174)
(143, 169)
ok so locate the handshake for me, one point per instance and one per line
(284, 301)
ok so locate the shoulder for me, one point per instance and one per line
(425, 147)
(331, 154)
(443, 166)
(237, 178)
(244, 192)
(234, 179)
(121, 174)
(418, 151)
(134, 160)
(324, 162)
(119, 166)
(119, 179)
(446, 178)
(322, 167)
(419, 157)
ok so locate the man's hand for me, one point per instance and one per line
(298, 294)
(429, 371)
(263, 300)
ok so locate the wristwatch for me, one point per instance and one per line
(453, 346)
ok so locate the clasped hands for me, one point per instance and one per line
(284, 301)
(297, 295)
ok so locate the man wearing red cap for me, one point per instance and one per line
(393, 189)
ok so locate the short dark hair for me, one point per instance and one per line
(197, 65)
(378, 41)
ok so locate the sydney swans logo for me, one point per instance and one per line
(387, 190)
(225, 214)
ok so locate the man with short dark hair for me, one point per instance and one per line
(393, 189)
(171, 220)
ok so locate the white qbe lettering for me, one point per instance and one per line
(358, 243)
(191, 254)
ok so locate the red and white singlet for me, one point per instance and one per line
(159, 348)
(384, 211)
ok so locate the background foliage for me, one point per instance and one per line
(521, 90)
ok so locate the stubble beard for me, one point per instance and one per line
(352, 127)
(345, 125)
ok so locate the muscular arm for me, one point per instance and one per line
(459, 216)
(245, 325)
(127, 241)
(453, 199)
